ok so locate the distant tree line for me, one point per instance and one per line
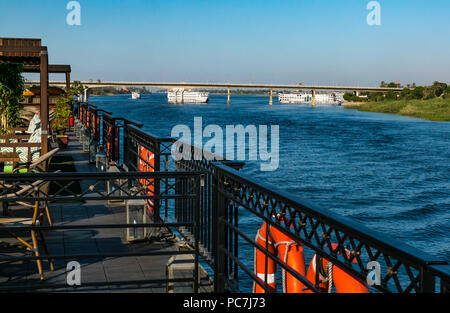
(410, 92)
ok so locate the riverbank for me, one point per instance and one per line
(437, 109)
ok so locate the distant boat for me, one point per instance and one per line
(187, 96)
(135, 95)
(305, 97)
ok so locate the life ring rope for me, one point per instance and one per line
(286, 253)
(329, 276)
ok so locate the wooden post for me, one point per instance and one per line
(228, 101)
(270, 98)
(44, 100)
(68, 90)
(67, 83)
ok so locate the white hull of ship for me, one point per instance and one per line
(187, 97)
(305, 98)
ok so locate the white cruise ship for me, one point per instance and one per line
(187, 96)
(295, 97)
(305, 97)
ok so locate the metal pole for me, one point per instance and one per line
(196, 230)
(219, 257)
(157, 183)
(427, 281)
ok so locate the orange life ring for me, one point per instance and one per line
(108, 144)
(288, 250)
(344, 282)
(146, 163)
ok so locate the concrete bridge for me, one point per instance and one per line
(270, 87)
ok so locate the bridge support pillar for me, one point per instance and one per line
(313, 100)
(228, 100)
(86, 95)
(271, 97)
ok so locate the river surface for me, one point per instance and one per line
(388, 172)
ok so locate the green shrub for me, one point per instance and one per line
(11, 93)
(63, 111)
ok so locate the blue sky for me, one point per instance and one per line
(248, 41)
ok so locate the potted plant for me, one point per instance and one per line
(62, 115)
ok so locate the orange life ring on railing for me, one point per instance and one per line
(288, 250)
(116, 144)
(344, 282)
(146, 163)
(108, 144)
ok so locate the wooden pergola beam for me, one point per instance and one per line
(52, 69)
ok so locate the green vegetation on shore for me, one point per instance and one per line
(437, 109)
(428, 102)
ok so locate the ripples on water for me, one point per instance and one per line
(388, 172)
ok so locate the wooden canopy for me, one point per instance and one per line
(34, 58)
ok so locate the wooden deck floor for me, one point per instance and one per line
(73, 242)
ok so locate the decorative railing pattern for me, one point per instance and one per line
(225, 193)
(35, 188)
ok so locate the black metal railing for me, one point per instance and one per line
(232, 207)
(345, 243)
(53, 189)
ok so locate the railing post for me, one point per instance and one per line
(427, 281)
(113, 140)
(199, 181)
(125, 145)
(157, 168)
(445, 285)
(219, 243)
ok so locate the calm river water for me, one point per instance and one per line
(388, 172)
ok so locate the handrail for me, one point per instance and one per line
(104, 111)
(317, 229)
(140, 125)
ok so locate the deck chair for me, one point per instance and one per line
(39, 187)
(39, 165)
